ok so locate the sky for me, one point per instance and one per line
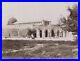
(35, 11)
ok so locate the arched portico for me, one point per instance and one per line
(43, 33)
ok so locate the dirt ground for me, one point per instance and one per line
(17, 49)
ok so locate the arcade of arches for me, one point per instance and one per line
(49, 33)
(40, 33)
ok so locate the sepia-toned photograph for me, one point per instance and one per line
(37, 30)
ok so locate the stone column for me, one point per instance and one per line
(18, 32)
(49, 33)
(55, 32)
(64, 34)
(67, 34)
(38, 33)
(43, 33)
(60, 33)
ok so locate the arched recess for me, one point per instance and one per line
(46, 33)
(61, 34)
(40, 33)
(52, 33)
(33, 31)
(58, 33)
(34, 34)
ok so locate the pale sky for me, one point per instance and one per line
(34, 11)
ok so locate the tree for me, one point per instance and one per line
(70, 24)
(73, 18)
(27, 32)
(33, 32)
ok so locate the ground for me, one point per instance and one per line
(19, 49)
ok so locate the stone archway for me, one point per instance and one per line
(40, 33)
(46, 33)
(34, 34)
(52, 33)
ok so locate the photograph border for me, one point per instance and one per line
(37, 1)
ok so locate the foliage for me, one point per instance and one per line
(27, 32)
(70, 24)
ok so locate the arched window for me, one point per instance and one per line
(52, 33)
(46, 33)
(40, 33)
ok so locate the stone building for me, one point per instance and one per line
(42, 29)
